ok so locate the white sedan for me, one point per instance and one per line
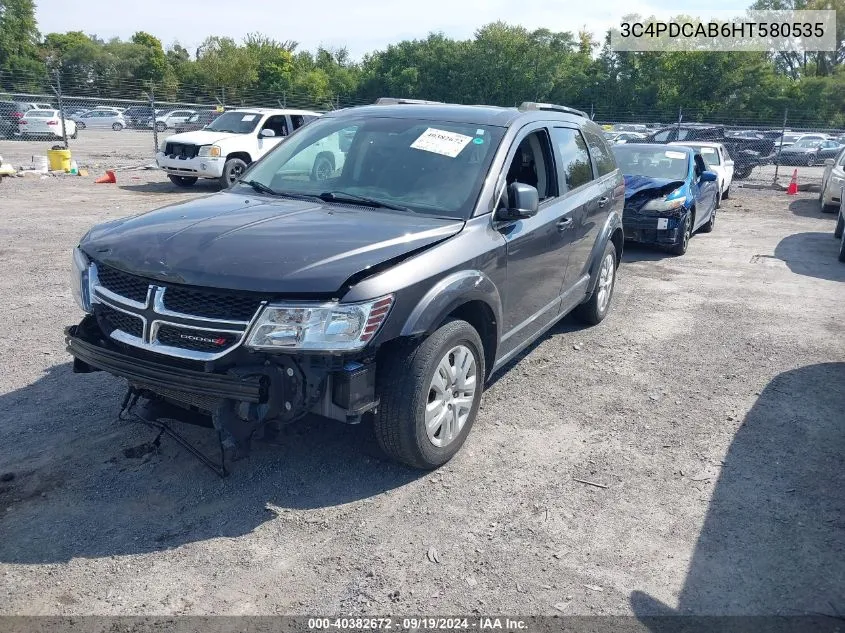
(718, 160)
(100, 119)
(833, 180)
(45, 123)
(171, 119)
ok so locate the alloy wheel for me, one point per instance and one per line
(451, 395)
(606, 277)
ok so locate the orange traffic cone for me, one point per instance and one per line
(793, 184)
(110, 178)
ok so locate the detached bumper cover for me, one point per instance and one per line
(644, 229)
(245, 389)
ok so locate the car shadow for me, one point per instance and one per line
(201, 187)
(773, 540)
(636, 252)
(91, 486)
(806, 208)
(813, 254)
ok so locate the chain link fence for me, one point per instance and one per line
(103, 122)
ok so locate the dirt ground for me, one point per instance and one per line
(707, 412)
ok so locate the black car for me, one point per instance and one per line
(11, 113)
(138, 116)
(197, 121)
(747, 153)
(809, 151)
(448, 240)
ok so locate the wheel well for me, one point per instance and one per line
(480, 316)
(242, 155)
(618, 240)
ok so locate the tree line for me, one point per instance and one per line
(502, 64)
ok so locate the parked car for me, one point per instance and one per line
(43, 123)
(669, 194)
(808, 151)
(73, 110)
(197, 121)
(100, 119)
(10, 115)
(228, 145)
(453, 238)
(628, 137)
(746, 153)
(717, 160)
(839, 231)
(171, 119)
(833, 179)
(138, 116)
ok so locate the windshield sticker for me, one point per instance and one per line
(675, 155)
(478, 141)
(479, 132)
(248, 117)
(441, 142)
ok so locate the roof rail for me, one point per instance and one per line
(395, 101)
(531, 105)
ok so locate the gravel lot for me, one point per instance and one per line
(708, 407)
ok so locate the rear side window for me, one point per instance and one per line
(575, 166)
(662, 137)
(605, 163)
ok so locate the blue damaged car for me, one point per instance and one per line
(669, 194)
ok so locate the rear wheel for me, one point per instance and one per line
(429, 394)
(840, 226)
(683, 242)
(183, 181)
(80, 125)
(117, 127)
(726, 193)
(161, 126)
(842, 249)
(810, 161)
(597, 306)
(708, 227)
(742, 173)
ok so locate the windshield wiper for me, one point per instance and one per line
(262, 188)
(343, 196)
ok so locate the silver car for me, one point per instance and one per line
(100, 119)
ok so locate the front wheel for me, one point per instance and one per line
(117, 127)
(810, 161)
(323, 168)
(232, 170)
(681, 247)
(183, 181)
(80, 125)
(161, 127)
(742, 173)
(429, 394)
(597, 306)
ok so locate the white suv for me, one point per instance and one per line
(224, 148)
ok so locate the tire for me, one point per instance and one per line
(842, 249)
(718, 199)
(161, 127)
(232, 170)
(323, 168)
(80, 125)
(809, 162)
(742, 174)
(183, 181)
(117, 127)
(726, 193)
(407, 385)
(593, 311)
(681, 247)
(827, 208)
(711, 222)
(840, 227)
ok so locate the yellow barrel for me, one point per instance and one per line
(59, 159)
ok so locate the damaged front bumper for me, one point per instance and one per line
(665, 229)
(238, 394)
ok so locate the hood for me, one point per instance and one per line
(200, 137)
(656, 187)
(262, 244)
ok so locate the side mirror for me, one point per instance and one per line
(828, 162)
(709, 176)
(524, 202)
(267, 133)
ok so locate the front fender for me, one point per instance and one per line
(613, 222)
(449, 293)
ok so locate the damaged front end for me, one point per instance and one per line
(655, 209)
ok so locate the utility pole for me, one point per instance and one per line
(152, 99)
(58, 90)
(780, 147)
(680, 118)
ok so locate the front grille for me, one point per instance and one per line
(180, 150)
(123, 284)
(111, 319)
(210, 305)
(195, 340)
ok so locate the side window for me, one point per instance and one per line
(682, 134)
(662, 137)
(276, 123)
(298, 120)
(575, 166)
(533, 165)
(605, 163)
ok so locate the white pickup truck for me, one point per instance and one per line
(224, 148)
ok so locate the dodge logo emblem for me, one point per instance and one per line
(203, 339)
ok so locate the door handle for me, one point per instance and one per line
(603, 201)
(564, 224)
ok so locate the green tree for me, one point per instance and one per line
(20, 66)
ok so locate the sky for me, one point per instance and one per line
(361, 26)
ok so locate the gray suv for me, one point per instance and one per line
(443, 240)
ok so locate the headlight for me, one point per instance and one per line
(668, 203)
(210, 150)
(324, 327)
(80, 280)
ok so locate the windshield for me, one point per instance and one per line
(654, 162)
(235, 122)
(808, 142)
(431, 167)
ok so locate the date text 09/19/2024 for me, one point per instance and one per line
(418, 624)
